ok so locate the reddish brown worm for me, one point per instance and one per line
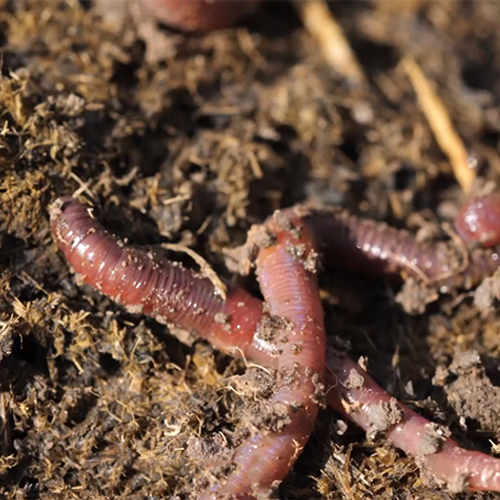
(479, 220)
(148, 283)
(153, 285)
(292, 332)
(375, 248)
(359, 398)
(200, 15)
(285, 270)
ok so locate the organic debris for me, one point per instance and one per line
(188, 139)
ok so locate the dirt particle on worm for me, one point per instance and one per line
(270, 328)
(434, 436)
(382, 417)
(354, 380)
(271, 417)
(309, 258)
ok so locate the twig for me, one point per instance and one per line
(439, 120)
(320, 23)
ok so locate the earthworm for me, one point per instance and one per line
(366, 404)
(377, 249)
(479, 220)
(200, 15)
(285, 268)
(292, 332)
(180, 296)
(146, 282)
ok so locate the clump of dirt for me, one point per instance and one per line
(190, 139)
(384, 416)
(470, 391)
(488, 293)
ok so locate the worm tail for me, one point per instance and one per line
(374, 248)
(148, 283)
(352, 392)
(297, 332)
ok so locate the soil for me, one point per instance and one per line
(189, 139)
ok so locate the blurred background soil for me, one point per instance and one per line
(190, 139)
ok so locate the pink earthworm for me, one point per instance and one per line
(479, 220)
(375, 248)
(200, 15)
(146, 282)
(349, 389)
(285, 266)
(364, 402)
(292, 334)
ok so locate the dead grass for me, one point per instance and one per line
(191, 139)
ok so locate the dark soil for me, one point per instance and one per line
(190, 139)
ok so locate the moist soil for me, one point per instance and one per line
(190, 139)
